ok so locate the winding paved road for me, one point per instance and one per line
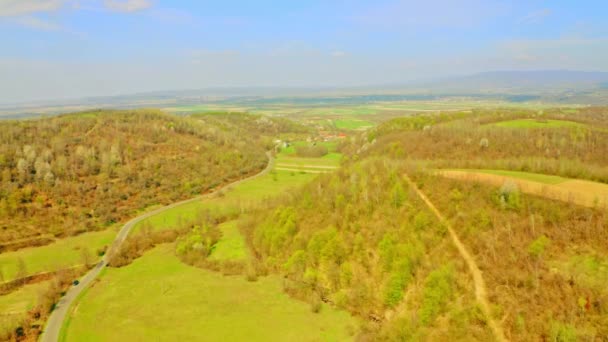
(55, 321)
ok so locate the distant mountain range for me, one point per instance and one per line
(551, 86)
(522, 81)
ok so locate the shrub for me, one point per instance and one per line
(484, 143)
(437, 291)
(562, 333)
(314, 151)
(397, 283)
(538, 246)
(509, 195)
(316, 304)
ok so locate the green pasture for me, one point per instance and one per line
(229, 202)
(23, 299)
(157, 297)
(58, 255)
(232, 244)
(353, 124)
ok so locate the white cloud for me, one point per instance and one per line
(557, 53)
(127, 5)
(12, 8)
(536, 17)
(37, 23)
(429, 14)
(337, 54)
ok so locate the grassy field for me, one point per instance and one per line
(159, 298)
(531, 123)
(232, 244)
(330, 159)
(353, 124)
(581, 192)
(22, 300)
(291, 150)
(245, 194)
(61, 254)
(288, 160)
(342, 111)
(213, 306)
(535, 177)
(15, 305)
(250, 192)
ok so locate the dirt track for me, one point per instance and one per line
(480, 285)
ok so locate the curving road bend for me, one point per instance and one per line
(55, 322)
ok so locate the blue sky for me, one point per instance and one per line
(57, 49)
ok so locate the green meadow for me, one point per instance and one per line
(158, 297)
(166, 299)
(230, 202)
(23, 299)
(288, 155)
(61, 254)
(232, 244)
(353, 124)
(15, 305)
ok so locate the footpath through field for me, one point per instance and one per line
(55, 322)
(584, 193)
(480, 285)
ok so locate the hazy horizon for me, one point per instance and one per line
(67, 49)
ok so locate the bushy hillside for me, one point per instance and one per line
(74, 173)
(363, 241)
(544, 261)
(574, 146)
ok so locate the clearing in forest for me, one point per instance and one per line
(230, 202)
(64, 253)
(581, 192)
(289, 161)
(353, 124)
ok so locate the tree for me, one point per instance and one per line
(21, 269)
(85, 256)
(484, 143)
(23, 170)
(49, 178)
(398, 195)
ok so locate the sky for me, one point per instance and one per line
(67, 49)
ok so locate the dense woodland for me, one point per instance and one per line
(81, 172)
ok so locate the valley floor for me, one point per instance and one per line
(160, 297)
